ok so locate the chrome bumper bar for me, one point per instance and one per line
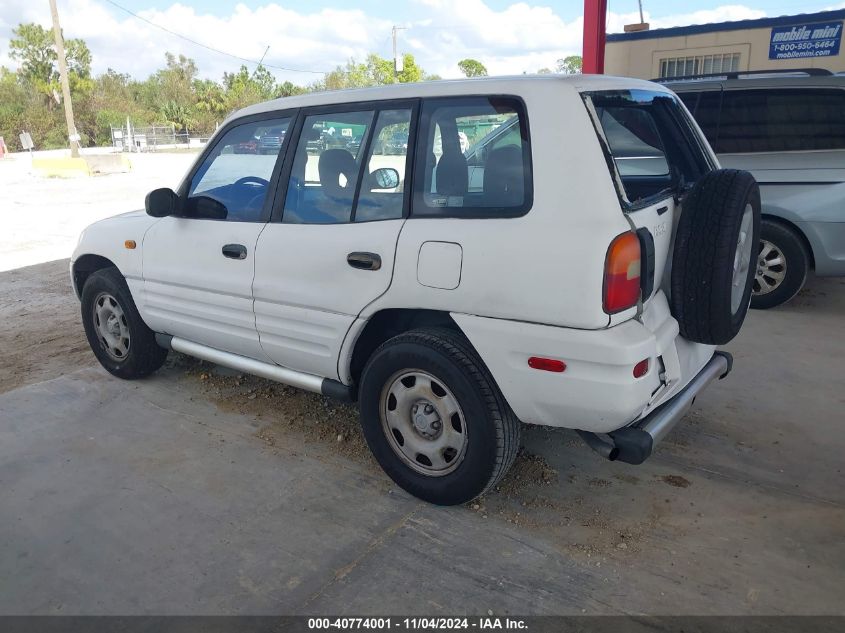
(634, 444)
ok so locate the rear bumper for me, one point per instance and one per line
(635, 443)
(597, 392)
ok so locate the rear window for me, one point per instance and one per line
(635, 143)
(784, 120)
(649, 142)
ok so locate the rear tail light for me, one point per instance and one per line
(622, 273)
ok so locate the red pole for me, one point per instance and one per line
(595, 16)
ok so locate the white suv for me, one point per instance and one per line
(548, 250)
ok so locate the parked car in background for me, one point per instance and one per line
(246, 147)
(271, 141)
(397, 144)
(788, 129)
(583, 281)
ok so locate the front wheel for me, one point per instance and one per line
(782, 266)
(118, 336)
(434, 418)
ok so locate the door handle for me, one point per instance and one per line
(364, 261)
(234, 251)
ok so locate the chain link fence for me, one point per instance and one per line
(130, 138)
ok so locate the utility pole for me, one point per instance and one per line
(641, 11)
(397, 61)
(60, 51)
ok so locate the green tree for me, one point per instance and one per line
(178, 115)
(244, 88)
(288, 89)
(374, 71)
(544, 71)
(34, 47)
(472, 68)
(570, 65)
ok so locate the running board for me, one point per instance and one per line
(308, 382)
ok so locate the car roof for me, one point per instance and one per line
(515, 85)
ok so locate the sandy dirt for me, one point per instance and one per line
(41, 333)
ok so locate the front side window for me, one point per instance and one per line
(327, 168)
(233, 180)
(782, 120)
(473, 158)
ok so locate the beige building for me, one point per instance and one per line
(810, 40)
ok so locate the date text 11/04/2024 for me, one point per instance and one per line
(417, 624)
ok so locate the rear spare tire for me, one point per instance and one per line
(713, 261)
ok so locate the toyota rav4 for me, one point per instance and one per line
(562, 251)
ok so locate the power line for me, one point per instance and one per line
(211, 48)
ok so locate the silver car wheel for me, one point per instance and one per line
(742, 258)
(111, 326)
(423, 422)
(771, 268)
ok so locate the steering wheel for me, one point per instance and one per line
(251, 180)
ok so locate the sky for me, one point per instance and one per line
(309, 37)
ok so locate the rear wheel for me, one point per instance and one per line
(781, 266)
(434, 418)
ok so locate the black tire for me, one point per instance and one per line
(492, 430)
(796, 262)
(706, 245)
(143, 355)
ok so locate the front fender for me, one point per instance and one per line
(112, 240)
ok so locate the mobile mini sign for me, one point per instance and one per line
(805, 40)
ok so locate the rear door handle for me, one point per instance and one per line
(364, 261)
(234, 251)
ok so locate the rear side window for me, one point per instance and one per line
(326, 168)
(473, 158)
(781, 120)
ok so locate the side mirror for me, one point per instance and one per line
(385, 178)
(161, 203)
(206, 208)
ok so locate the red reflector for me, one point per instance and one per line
(622, 273)
(546, 364)
(641, 368)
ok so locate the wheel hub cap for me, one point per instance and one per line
(742, 258)
(423, 422)
(771, 268)
(111, 326)
(426, 421)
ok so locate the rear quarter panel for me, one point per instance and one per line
(546, 266)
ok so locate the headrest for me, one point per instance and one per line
(332, 164)
(504, 180)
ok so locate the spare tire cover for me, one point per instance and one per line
(716, 245)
